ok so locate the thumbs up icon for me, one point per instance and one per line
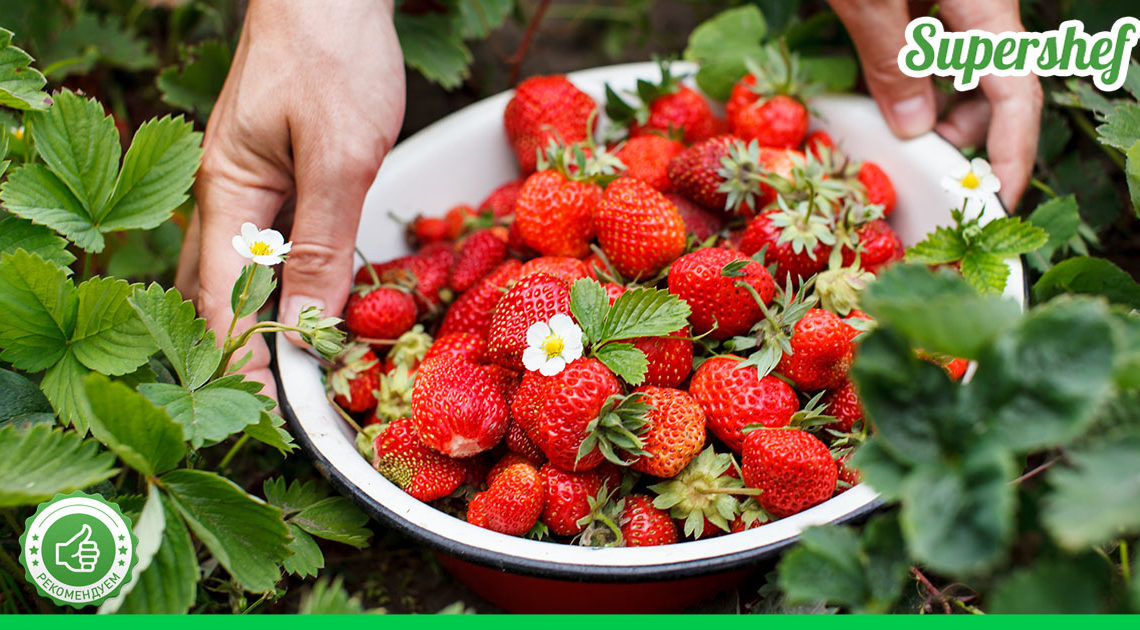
(79, 553)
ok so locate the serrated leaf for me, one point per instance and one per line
(330, 598)
(432, 44)
(63, 386)
(1008, 236)
(721, 45)
(208, 414)
(1061, 219)
(1053, 586)
(588, 304)
(1096, 497)
(261, 283)
(80, 144)
(336, 519)
(937, 309)
(625, 360)
(91, 39)
(20, 84)
(307, 558)
(35, 193)
(39, 304)
(985, 272)
(196, 84)
(1121, 128)
(958, 518)
(21, 400)
(479, 17)
(39, 461)
(246, 535)
(142, 435)
(157, 173)
(270, 430)
(836, 74)
(292, 497)
(17, 233)
(178, 333)
(148, 528)
(644, 312)
(109, 337)
(169, 584)
(941, 246)
(1090, 276)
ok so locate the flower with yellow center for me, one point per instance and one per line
(552, 345)
(974, 180)
(264, 247)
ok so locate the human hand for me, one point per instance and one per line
(1007, 113)
(313, 102)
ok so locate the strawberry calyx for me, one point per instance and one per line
(702, 491)
(581, 161)
(810, 182)
(839, 287)
(742, 174)
(801, 226)
(410, 348)
(618, 430)
(394, 396)
(350, 364)
(600, 527)
(624, 114)
(772, 335)
(780, 72)
(751, 514)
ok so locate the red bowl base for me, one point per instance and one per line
(524, 594)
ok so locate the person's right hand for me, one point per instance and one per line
(312, 104)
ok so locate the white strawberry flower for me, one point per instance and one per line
(552, 345)
(972, 181)
(265, 247)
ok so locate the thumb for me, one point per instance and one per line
(878, 30)
(83, 535)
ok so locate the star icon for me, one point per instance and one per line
(33, 550)
(122, 538)
(35, 537)
(122, 563)
(122, 550)
(35, 563)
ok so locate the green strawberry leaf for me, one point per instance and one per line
(149, 524)
(270, 430)
(88, 40)
(330, 598)
(836, 74)
(292, 497)
(39, 305)
(1090, 276)
(17, 233)
(196, 84)
(209, 414)
(156, 176)
(109, 337)
(261, 284)
(39, 461)
(1095, 498)
(178, 333)
(21, 401)
(432, 44)
(306, 559)
(20, 84)
(79, 143)
(1132, 172)
(1121, 128)
(35, 193)
(643, 312)
(722, 44)
(479, 17)
(985, 272)
(626, 361)
(142, 435)
(940, 247)
(588, 305)
(1008, 236)
(63, 386)
(1055, 586)
(247, 536)
(168, 586)
(336, 519)
(1060, 218)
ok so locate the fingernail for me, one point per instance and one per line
(913, 116)
(291, 312)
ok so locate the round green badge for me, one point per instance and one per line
(78, 549)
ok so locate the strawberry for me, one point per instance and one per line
(613, 292)
(423, 230)
(792, 468)
(515, 244)
(405, 461)
(880, 190)
(702, 496)
(848, 476)
(423, 275)
(505, 462)
(535, 298)
(695, 172)
(724, 172)
(878, 246)
(667, 107)
(698, 221)
(718, 304)
(767, 105)
(472, 311)
(751, 516)
(821, 351)
(506, 381)
(355, 378)
(842, 403)
(799, 257)
(382, 313)
(569, 269)
(956, 368)
(676, 431)
(480, 253)
(816, 142)
(512, 504)
(519, 442)
(457, 407)
(457, 218)
(464, 345)
(638, 228)
(553, 214)
(643, 525)
(670, 358)
(501, 201)
(647, 158)
(567, 498)
(734, 396)
(545, 108)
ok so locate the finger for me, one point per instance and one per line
(878, 29)
(966, 124)
(186, 277)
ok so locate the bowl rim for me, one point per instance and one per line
(553, 569)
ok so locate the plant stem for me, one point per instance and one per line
(1036, 471)
(13, 523)
(255, 604)
(1125, 566)
(233, 450)
(516, 59)
(973, 610)
(1043, 187)
(233, 345)
(1085, 126)
(752, 492)
(343, 414)
(241, 302)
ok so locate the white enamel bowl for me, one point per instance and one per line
(461, 159)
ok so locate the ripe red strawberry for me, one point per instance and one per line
(405, 461)
(647, 158)
(821, 352)
(842, 403)
(847, 475)
(778, 121)
(676, 431)
(519, 442)
(423, 230)
(506, 381)
(535, 298)
(956, 368)
(567, 403)
(457, 219)
(463, 345)
(457, 407)
(643, 525)
(613, 291)
(383, 313)
(512, 504)
(501, 201)
(792, 467)
(715, 299)
(817, 140)
(508, 460)
(709, 171)
(423, 275)
(355, 378)
(554, 214)
(545, 108)
(670, 358)
(472, 311)
(762, 231)
(667, 108)
(698, 221)
(880, 190)
(569, 269)
(515, 244)
(567, 498)
(479, 254)
(734, 397)
(694, 172)
(638, 228)
(879, 246)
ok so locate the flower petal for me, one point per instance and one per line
(561, 324)
(533, 358)
(285, 248)
(268, 260)
(951, 184)
(552, 367)
(241, 247)
(571, 350)
(271, 238)
(980, 167)
(249, 232)
(536, 334)
(990, 183)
